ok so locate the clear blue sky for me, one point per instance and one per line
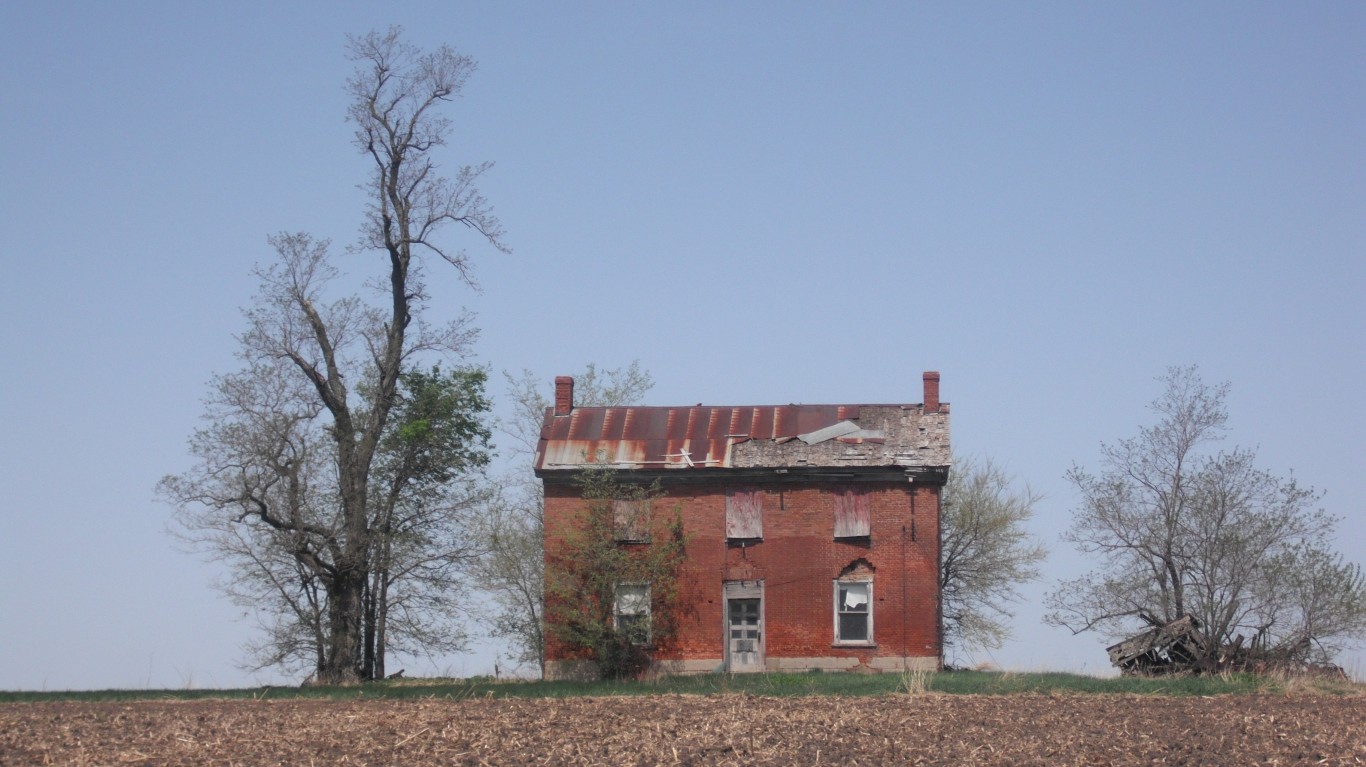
(762, 202)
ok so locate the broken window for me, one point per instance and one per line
(853, 612)
(631, 521)
(744, 514)
(853, 514)
(631, 614)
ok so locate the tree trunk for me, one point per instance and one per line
(344, 612)
(381, 623)
(368, 659)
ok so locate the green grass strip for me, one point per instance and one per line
(775, 685)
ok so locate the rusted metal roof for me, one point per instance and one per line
(703, 437)
(673, 437)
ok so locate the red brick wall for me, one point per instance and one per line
(798, 559)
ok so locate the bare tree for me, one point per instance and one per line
(349, 354)
(514, 570)
(513, 574)
(985, 553)
(262, 450)
(614, 387)
(1181, 530)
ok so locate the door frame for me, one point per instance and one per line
(753, 589)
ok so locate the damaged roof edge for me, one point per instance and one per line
(735, 437)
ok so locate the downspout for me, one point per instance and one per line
(905, 607)
(725, 606)
(905, 585)
(939, 570)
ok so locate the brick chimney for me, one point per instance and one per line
(931, 391)
(564, 395)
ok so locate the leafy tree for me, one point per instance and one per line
(295, 436)
(429, 491)
(1179, 529)
(985, 553)
(428, 487)
(591, 574)
(514, 568)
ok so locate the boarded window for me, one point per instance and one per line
(632, 612)
(853, 611)
(744, 514)
(631, 521)
(853, 514)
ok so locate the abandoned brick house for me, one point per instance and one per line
(812, 530)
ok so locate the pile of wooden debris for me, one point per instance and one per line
(1181, 647)
(1178, 647)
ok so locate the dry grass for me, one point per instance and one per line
(914, 682)
(922, 729)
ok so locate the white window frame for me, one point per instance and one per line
(839, 610)
(641, 608)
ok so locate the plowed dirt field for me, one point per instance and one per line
(695, 730)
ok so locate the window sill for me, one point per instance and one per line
(854, 644)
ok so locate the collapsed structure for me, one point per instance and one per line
(1182, 647)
